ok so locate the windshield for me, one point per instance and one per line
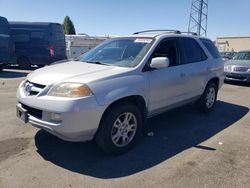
(242, 56)
(123, 52)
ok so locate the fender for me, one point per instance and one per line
(110, 90)
(215, 71)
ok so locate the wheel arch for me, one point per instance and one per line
(215, 80)
(137, 100)
(24, 57)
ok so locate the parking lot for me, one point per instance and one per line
(181, 148)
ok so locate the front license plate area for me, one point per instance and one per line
(236, 75)
(22, 113)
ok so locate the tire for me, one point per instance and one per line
(208, 99)
(40, 66)
(24, 63)
(116, 137)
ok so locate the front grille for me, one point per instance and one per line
(241, 69)
(33, 111)
(31, 88)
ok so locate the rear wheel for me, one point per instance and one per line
(120, 128)
(207, 101)
(40, 66)
(24, 63)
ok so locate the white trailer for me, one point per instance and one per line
(79, 44)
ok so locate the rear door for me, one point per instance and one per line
(6, 46)
(193, 66)
(57, 42)
(21, 38)
(38, 45)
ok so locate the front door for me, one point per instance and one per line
(167, 85)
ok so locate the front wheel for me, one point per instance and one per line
(120, 128)
(207, 101)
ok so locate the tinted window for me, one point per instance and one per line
(4, 26)
(192, 51)
(57, 32)
(211, 48)
(167, 49)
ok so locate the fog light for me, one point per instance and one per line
(55, 116)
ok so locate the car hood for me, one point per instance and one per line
(73, 71)
(240, 63)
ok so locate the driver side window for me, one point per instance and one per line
(167, 49)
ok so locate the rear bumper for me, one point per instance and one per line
(42, 60)
(47, 61)
(3, 63)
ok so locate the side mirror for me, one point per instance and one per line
(159, 62)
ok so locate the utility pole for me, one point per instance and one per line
(198, 17)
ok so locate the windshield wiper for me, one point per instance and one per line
(98, 63)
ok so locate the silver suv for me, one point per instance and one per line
(108, 93)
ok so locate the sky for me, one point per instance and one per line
(117, 17)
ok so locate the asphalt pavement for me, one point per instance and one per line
(180, 148)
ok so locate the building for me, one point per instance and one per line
(79, 44)
(235, 44)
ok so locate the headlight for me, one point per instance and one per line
(226, 68)
(67, 89)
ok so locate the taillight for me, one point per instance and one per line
(51, 50)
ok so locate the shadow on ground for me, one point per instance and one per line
(174, 132)
(15, 67)
(12, 74)
(238, 83)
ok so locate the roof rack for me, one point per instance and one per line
(158, 30)
(192, 33)
(165, 31)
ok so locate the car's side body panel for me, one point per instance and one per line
(40, 43)
(161, 89)
(6, 43)
(110, 90)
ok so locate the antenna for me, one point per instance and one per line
(198, 17)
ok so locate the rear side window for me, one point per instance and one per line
(57, 32)
(211, 48)
(192, 51)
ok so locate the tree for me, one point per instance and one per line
(68, 25)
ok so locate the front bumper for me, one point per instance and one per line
(237, 76)
(80, 117)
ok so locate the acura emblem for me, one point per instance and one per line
(28, 87)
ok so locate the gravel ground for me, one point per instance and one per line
(181, 148)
